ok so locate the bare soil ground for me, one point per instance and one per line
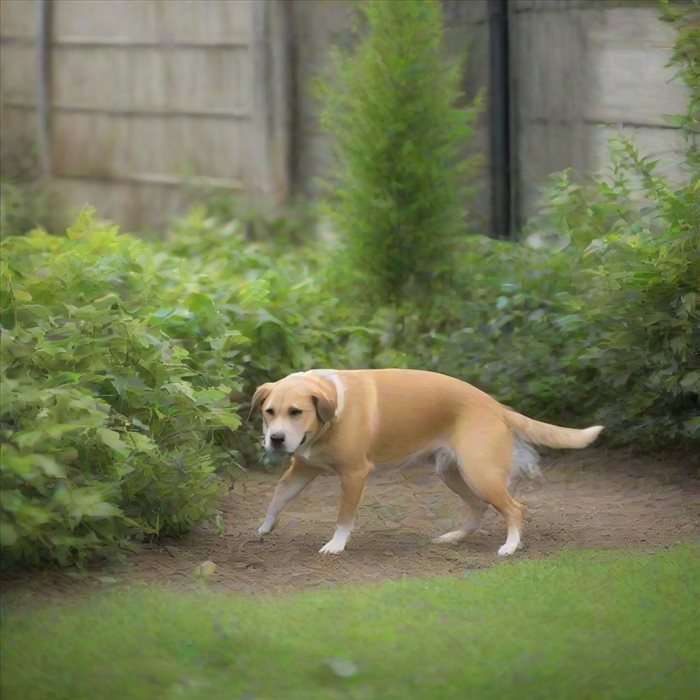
(594, 499)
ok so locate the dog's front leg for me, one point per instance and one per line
(352, 485)
(292, 483)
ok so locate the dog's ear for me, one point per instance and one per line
(325, 406)
(261, 393)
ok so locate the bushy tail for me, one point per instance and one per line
(551, 435)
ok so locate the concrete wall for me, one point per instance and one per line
(149, 100)
(584, 71)
(581, 72)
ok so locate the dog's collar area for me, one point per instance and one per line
(308, 443)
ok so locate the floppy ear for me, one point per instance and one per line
(325, 406)
(261, 393)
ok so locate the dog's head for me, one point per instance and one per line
(294, 409)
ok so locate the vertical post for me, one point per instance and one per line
(500, 120)
(270, 84)
(260, 103)
(292, 101)
(279, 97)
(43, 44)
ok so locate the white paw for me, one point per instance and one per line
(332, 547)
(264, 529)
(450, 537)
(506, 550)
(340, 539)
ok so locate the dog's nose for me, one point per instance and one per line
(277, 439)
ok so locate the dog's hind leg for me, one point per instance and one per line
(484, 455)
(474, 508)
(290, 485)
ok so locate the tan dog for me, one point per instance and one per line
(351, 420)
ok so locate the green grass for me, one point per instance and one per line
(578, 625)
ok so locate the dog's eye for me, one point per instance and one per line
(295, 412)
(270, 411)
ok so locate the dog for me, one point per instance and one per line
(349, 421)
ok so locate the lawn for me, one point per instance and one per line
(577, 625)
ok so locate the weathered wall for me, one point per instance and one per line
(582, 71)
(19, 74)
(149, 99)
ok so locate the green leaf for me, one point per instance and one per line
(49, 466)
(111, 439)
(101, 509)
(8, 535)
(691, 381)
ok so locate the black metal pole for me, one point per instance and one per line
(499, 119)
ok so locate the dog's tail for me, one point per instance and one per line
(550, 435)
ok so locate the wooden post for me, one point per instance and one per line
(500, 120)
(270, 102)
(43, 43)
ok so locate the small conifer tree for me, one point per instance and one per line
(398, 190)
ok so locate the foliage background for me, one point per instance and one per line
(127, 365)
(399, 184)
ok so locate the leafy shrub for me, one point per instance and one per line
(605, 329)
(118, 356)
(118, 360)
(638, 330)
(397, 196)
(279, 297)
(112, 392)
(633, 321)
(600, 324)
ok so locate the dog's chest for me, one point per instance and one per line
(314, 458)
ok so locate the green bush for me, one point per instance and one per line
(281, 298)
(398, 192)
(627, 332)
(602, 322)
(119, 356)
(118, 361)
(606, 329)
(114, 386)
(635, 322)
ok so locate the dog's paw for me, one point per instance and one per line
(264, 530)
(450, 537)
(337, 544)
(332, 548)
(507, 550)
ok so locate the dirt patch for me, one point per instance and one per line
(593, 499)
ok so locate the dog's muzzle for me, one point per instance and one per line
(277, 444)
